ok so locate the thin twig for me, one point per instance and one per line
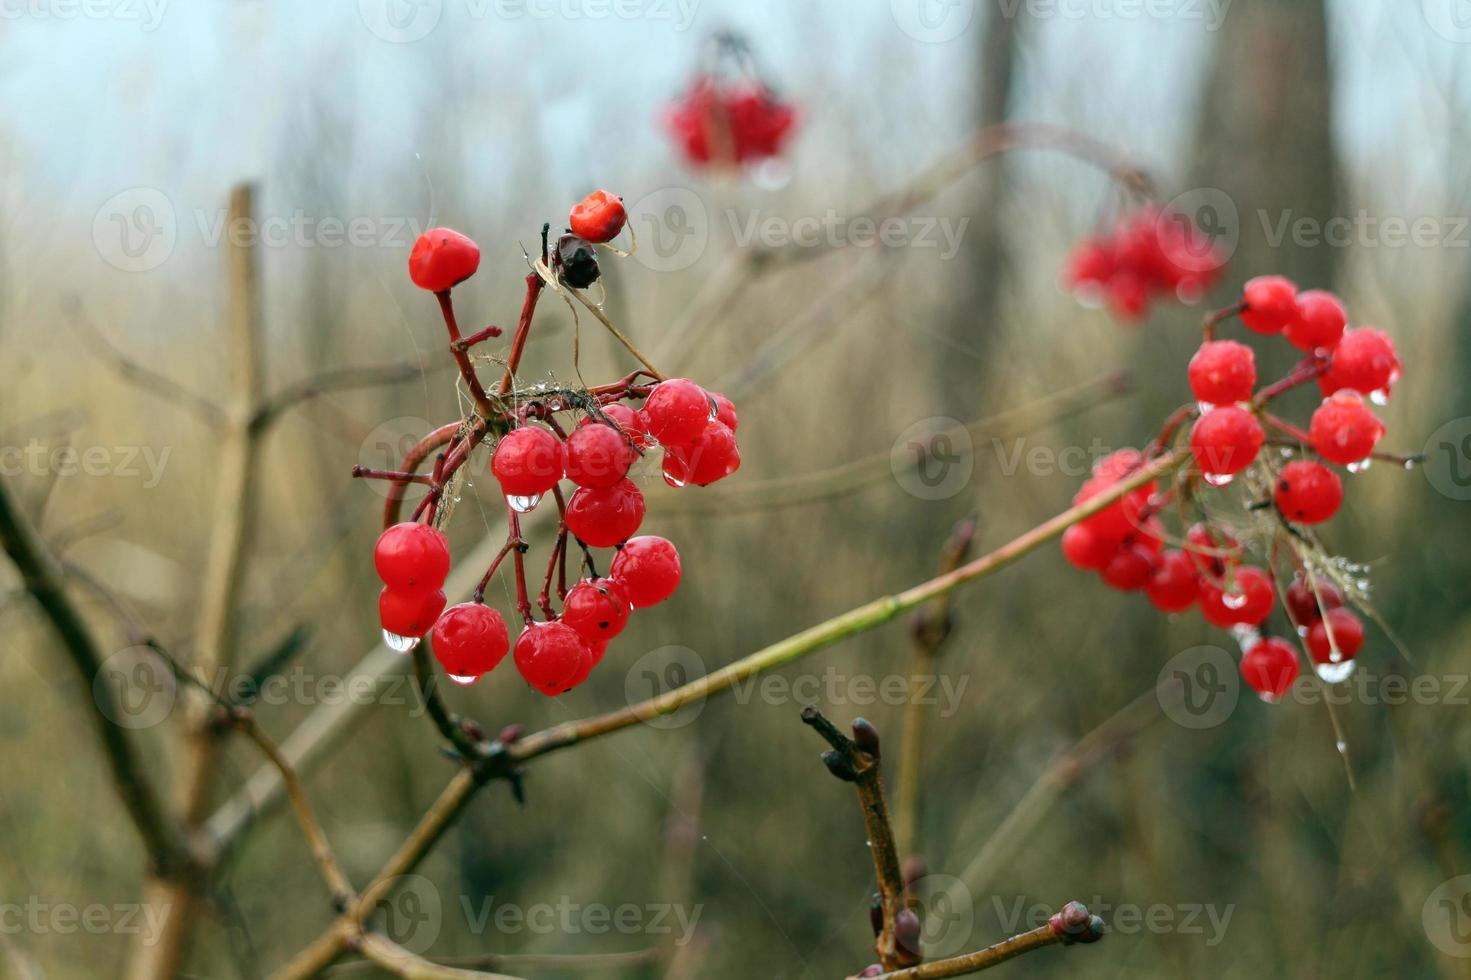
(402, 963)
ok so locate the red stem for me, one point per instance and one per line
(523, 328)
(462, 359)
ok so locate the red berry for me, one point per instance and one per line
(409, 612)
(1128, 296)
(1223, 372)
(725, 410)
(597, 609)
(647, 568)
(469, 640)
(632, 423)
(1089, 264)
(599, 217)
(550, 656)
(1225, 440)
(1270, 667)
(1343, 429)
(441, 258)
(1211, 549)
(411, 556)
(1129, 568)
(713, 456)
(1319, 323)
(1086, 549)
(601, 518)
(598, 456)
(1348, 634)
(1271, 303)
(1119, 519)
(1302, 603)
(1249, 600)
(677, 411)
(528, 462)
(1365, 361)
(1175, 584)
(1308, 492)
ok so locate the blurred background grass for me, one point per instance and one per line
(494, 122)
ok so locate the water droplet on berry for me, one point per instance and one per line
(1360, 466)
(1204, 407)
(464, 679)
(1233, 600)
(1089, 295)
(1379, 397)
(1335, 673)
(670, 478)
(1219, 479)
(402, 644)
(523, 505)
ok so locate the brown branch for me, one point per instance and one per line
(856, 760)
(43, 577)
(929, 631)
(328, 382)
(402, 963)
(595, 962)
(234, 510)
(1073, 925)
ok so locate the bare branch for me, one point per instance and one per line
(1073, 925)
(329, 382)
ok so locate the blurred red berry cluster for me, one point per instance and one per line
(1150, 253)
(729, 116)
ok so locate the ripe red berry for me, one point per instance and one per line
(713, 456)
(1223, 372)
(1089, 265)
(412, 557)
(633, 424)
(1175, 583)
(1348, 635)
(1343, 429)
(469, 640)
(1225, 440)
(550, 656)
(1086, 549)
(1302, 603)
(1119, 519)
(528, 462)
(1308, 492)
(442, 258)
(1319, 323)
(647, 568)
(598, 456)
(597, 609)
(677, 411)
(1248, 601)
(1271, 303)
(602, 517)
(1129, 568)
(725, 411)
(1364, 361)
(1212, 550)
(599, 217)
(409, 612)
(1270, 667)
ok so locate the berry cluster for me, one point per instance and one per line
(729, 115)
(541, 437)
(1289, 490)
(1151, 252)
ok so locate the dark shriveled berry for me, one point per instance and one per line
(577, 262)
